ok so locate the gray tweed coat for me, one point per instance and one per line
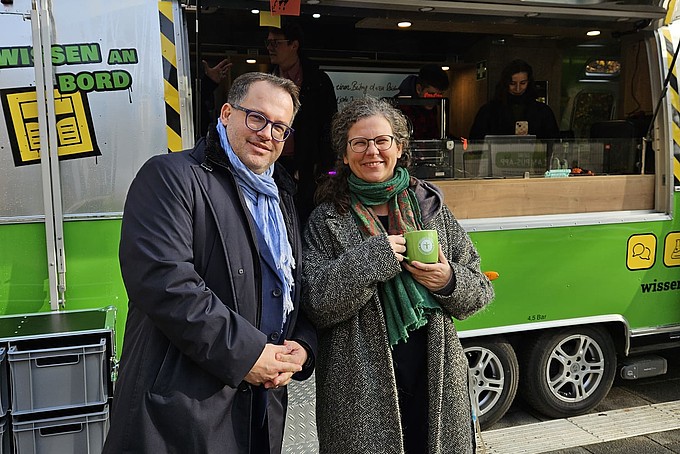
(357, 408)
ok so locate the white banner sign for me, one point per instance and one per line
(353, 85)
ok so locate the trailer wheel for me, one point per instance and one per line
(569, 371)
(494, 375)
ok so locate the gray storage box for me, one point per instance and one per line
(57, 378)
(82, 434)
(4, 436)
(4, 383)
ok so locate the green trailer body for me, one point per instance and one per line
(605, 285)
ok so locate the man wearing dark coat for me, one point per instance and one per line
(210, 258)
(308, 156)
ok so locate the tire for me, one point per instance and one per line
(567, 372)
(494, 376)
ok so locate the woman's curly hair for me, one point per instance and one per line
(333, 188)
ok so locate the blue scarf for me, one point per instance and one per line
(262, 198)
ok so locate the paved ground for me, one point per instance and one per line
(300, 437)
(624, 394)
(658, 443)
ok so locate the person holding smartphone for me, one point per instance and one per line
(514, 109)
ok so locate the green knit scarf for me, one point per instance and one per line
(406, 302)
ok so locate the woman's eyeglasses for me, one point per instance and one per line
(360, 144)
(255, 121)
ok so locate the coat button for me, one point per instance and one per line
(274, 336)
(243, 386)
(277, 292)
(241, 271)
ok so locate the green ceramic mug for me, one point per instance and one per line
(422, 246)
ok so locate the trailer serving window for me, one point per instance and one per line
(602, 90)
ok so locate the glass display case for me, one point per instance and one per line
(432, 158)
(526, 157)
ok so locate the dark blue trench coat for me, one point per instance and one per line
(194, 288)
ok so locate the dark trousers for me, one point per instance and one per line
(259, 424)
(410, 368)
(414, 420)
(259, 440)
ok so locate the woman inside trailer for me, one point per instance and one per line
(514, 109)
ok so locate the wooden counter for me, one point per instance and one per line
(472, 199)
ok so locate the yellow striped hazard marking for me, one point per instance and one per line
(670, 12)
(173, 125)
(675, 103)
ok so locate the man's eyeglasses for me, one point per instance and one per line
(255, 121)
(360, 144)
(274, 43)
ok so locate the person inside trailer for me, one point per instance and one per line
(514, 109)
(431, 82)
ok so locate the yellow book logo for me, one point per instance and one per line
(75, 132)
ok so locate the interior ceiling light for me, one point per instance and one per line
(531, 15)
(251, 61)
(445, 68)
(404, 24)
(426, 9)
(316, 15)
(255, 11)
(593, 33)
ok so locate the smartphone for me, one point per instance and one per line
(521, 128)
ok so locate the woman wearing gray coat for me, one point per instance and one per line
(396, 386)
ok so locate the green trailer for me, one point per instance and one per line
(589, 266)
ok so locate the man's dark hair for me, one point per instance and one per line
(241, 85)
(433, 76)
(291, 30)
